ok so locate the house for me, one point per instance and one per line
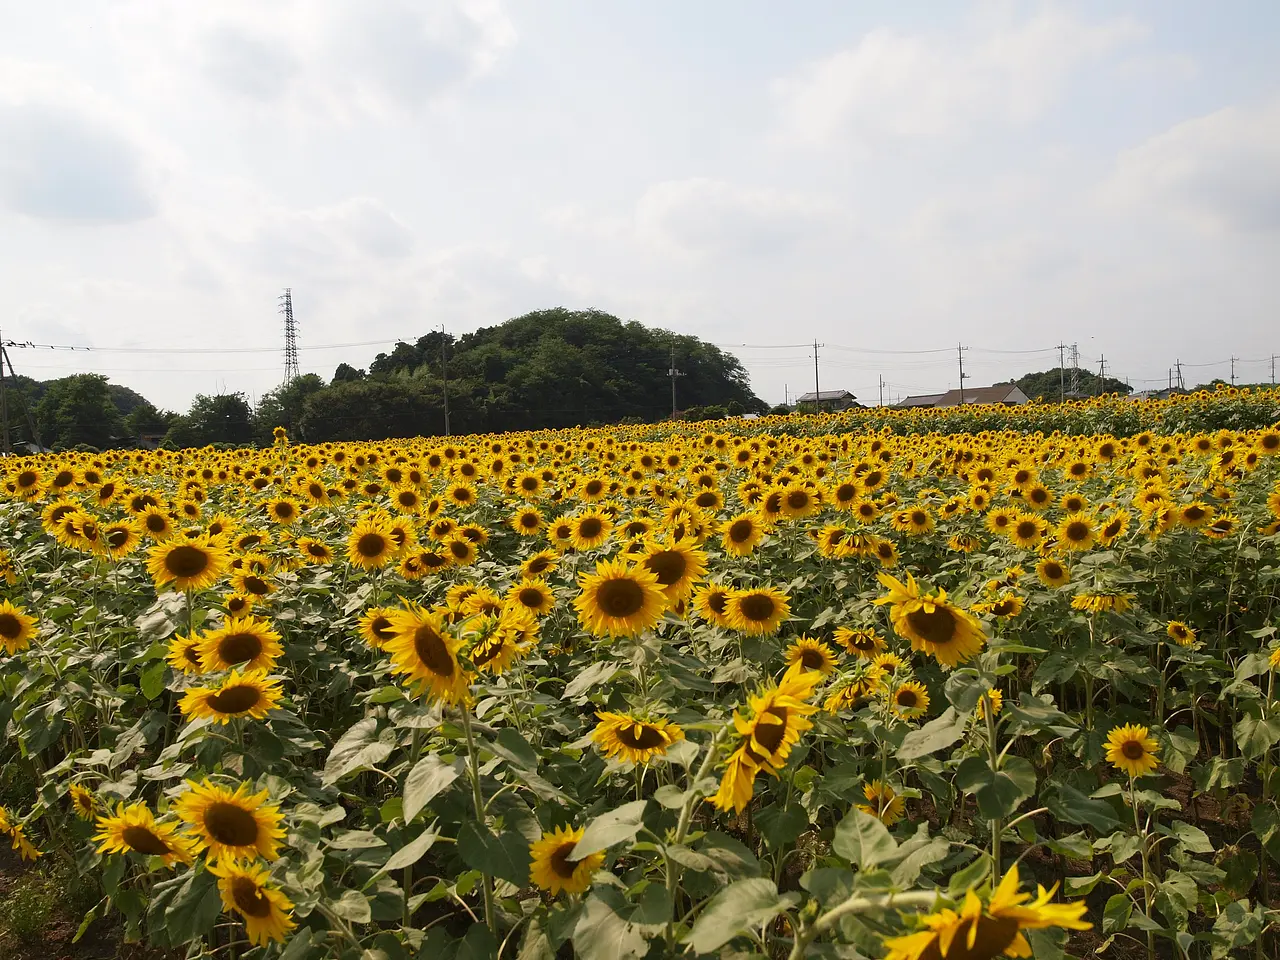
(998, 393)
(829, 399)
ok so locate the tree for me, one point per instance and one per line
(126, 400)
(1047, 385)
(282, 407)
(373, 409)
(346, 373)
(77, 410)
(145, 418)
(226, 418)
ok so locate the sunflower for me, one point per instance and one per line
(883, 802)
(370, 544)
(809, 654)
(1222, 526)
(833, 540)
(983, 932)
(1076, 532)
(1114, 528)
(496, 642)
(428, 654)
(963, 543)
(993, 700)
(533, 595)
(245, 642)
(527, 522)
(264, 909)
(1195, 514)
(553, 870)
(1052, 573)
(539, 565)
(1027, 530)
(914, 521)
(1001, 519)
(766, 736)
(377, 626)
(134, 829)
(314, 551)
(799, 501)
(1101, 601)
(853, 689)
(283, 510)
(184, 654)
(619, 599)
(121, 538)
(1179, 631)
(1005, 607)
(711, 602)
(909, 700)
(861, 642)
(634, 739)
(886, 551)
(16, 628)
(758, 611)
(1131, 750)
(678, 567)
(741, 534)
(187, 564)
(82, 801)
(231, 825)
(589, 530)
(947, 632)
(252, 694)
(238, 604)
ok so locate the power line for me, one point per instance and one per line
(28, 345)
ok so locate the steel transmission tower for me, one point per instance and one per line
(291, 371)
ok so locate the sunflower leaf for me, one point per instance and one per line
(862, 839)
(610, 828)
(429, 777)
(359, 748)
(739, 907)
(942, 731)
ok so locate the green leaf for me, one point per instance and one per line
(428, 778)
(603, 935)
(729, 855)
(359, 749)
(610, 828)
(411, 852)
(998, 792)
(1190, 838)
(1236, 927)
(478, 944)
(504, 855)
(353, 906)
(1240, 873)
(919, 855)
(194, 908)
(1067, 803)
(152, 680)
(1255, 736)
(1115, 916)
(863, 840)
(1081, 886)
(938, 733)
(737, 908)
(599, 672)
(781, 825)
(516, 749)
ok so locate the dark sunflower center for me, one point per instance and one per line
(27, 478)
(668, 565)
(284, 510)
(1002, 608)
(992, 937)
(432, 560)
(530, 597)
(740, 531)
(60, 511)
(812, 659)
(938, 627)
(432, 651)
(529, 521)
(907, 698)
(186, 561)
(144, 841)
(1193, 513)
(919, 518)
(707, 499)
(1052, 570)
(647, 737)
(757, 607)
(1077, 531)
(560, 862)
(460, 549)
(381, 628)
(249, 898)
(191, 654)
(371, 545)
(237, 648)
(1039, 496)
(529, 484)
(10, 626)
(797, 499)
(771, 734)
(590, 528)
(1025, 530)
(1133, 750)
(231, 824)
(317, 549)
(236, 699)
(622, 597)
(717, 601)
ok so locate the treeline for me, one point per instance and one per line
(548, 369)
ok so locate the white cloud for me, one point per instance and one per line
(1219, 171)
(701, 216)
(891, 84)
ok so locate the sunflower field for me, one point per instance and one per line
(832, 686)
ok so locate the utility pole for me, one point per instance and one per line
(1075, 369)
(4, 401)
(1182, 384)
(1273, 369)
(444, 376)
(4, 404)
(786, 395)
(1062, 372)
(1233, 370)
(960, 356)
(817, 393)
(290, 336)
(882, 390)
(1102, 374)
(673, 373)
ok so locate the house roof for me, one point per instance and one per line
(999, 393)
(821, 395)
(921, 400)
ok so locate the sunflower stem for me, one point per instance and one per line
(477, 799)
(858, 904)
(682, 827)
(1146, 863)
(994, 756)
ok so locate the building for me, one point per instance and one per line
(998, 393)
(829, 399)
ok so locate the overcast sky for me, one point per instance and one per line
(878, 176)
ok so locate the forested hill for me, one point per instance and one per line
(551, 368)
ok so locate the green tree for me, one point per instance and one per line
(373, 409)
(282, 407)
(78, 410)
(226, 418)
(346, 372)
(1047, 385)
(145, 418)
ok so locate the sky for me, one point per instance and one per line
(892, 181)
